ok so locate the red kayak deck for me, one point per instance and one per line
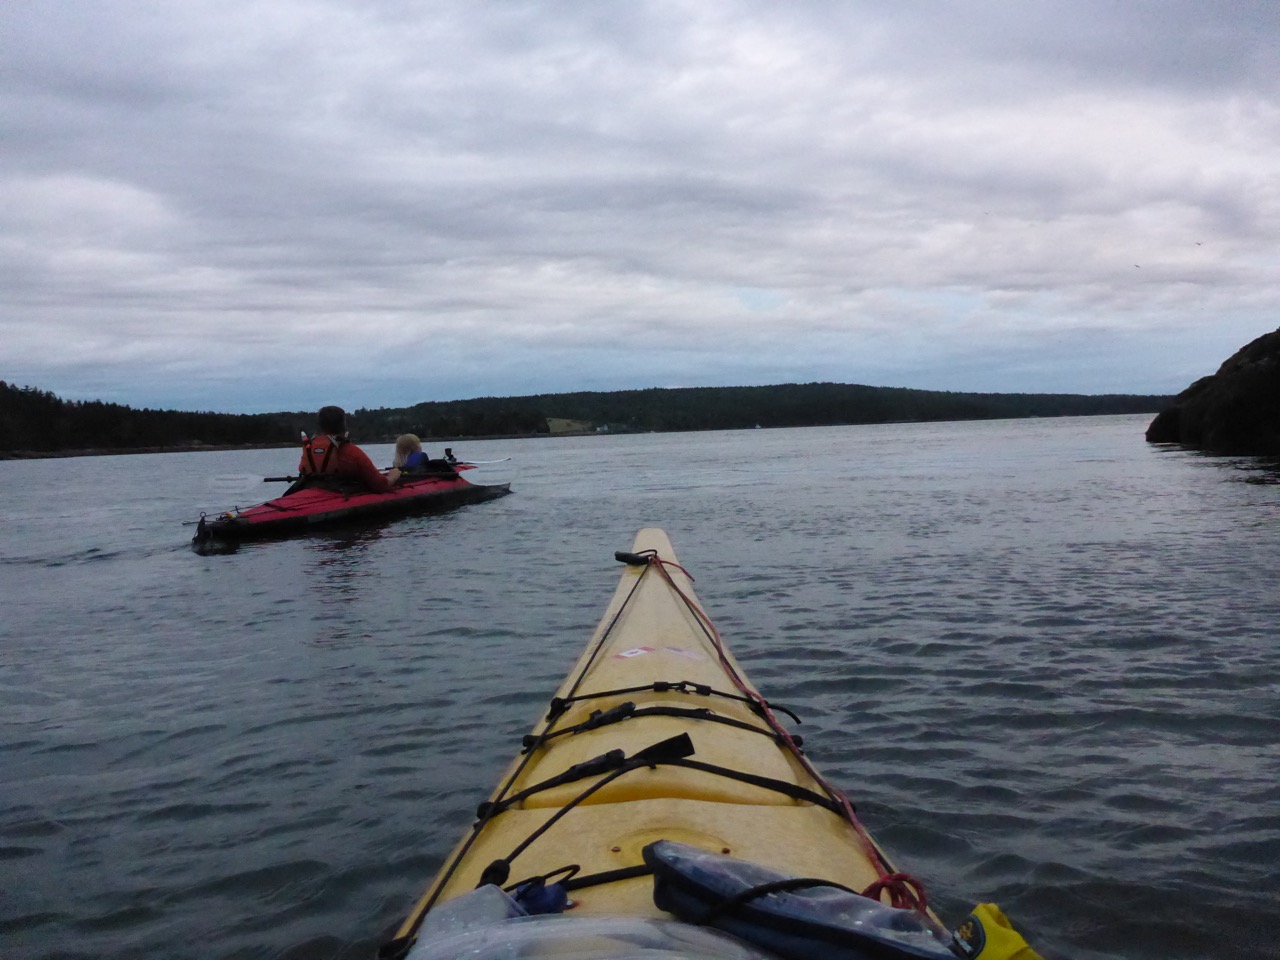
(312, 507)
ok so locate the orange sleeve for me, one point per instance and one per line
(363, 467)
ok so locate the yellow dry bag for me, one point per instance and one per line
(986, 934)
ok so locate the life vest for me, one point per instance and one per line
(320, 454)
(418, 459)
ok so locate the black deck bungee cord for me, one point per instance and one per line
(629, 711)
(559, 704)
(615, 762)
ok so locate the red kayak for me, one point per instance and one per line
(312, 504)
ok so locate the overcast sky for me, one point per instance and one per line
(249, 206)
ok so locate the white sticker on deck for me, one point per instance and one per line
(633, 652)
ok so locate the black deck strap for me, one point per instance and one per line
(604, 763)
(706, 713)
(674, 751)
(716, 910)
(767, 783)
(628, 711)
(634, 559)
(608, 876)
(664, 751)
(558, 705)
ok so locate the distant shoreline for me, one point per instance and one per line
(210, 448)
(442, 441)
(36, 424)
(129, 451)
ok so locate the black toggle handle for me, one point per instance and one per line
(633, 559)
(601, 718)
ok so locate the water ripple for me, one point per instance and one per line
(1039, 656)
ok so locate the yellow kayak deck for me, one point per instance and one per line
(655, 669)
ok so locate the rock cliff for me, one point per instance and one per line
(1234, 411)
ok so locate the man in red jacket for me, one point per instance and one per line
(331, 453)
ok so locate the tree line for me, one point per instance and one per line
(39, 422)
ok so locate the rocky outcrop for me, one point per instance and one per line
(1234, 411)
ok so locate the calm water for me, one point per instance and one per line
(1042, 657)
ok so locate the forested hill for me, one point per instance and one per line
(38, 422)
(733, 408)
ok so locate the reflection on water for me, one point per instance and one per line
(340, 573)
(1040, 655)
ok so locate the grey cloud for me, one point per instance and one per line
(563, 195)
